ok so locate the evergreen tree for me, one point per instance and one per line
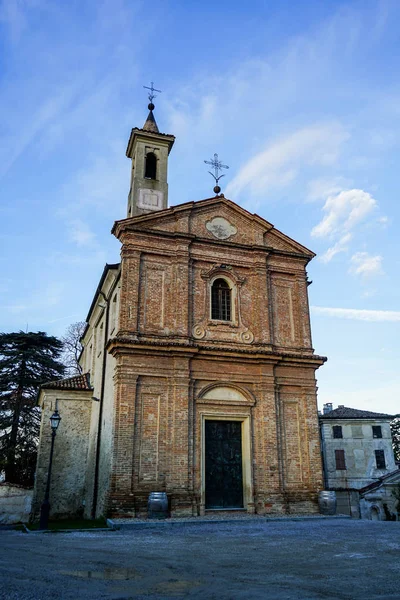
(395, 427)
(26, 361)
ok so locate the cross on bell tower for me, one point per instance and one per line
(149, 150)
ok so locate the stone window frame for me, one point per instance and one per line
(235, 282)
(377, 431)
(337, 432)
(232, 299)
(380, 459)
(340, 460)
(114, 312)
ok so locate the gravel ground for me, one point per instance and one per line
(254, 559)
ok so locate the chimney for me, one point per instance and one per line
(328, 407)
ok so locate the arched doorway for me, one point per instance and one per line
(375, 516)
(224, 413)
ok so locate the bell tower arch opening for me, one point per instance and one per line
(150, 171)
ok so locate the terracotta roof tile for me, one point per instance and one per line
(78, 382)
(344, 412)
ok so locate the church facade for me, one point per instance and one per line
(199, 371)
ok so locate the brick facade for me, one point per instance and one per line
(169, 352)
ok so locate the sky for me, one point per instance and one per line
(301, 100)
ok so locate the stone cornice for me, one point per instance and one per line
(129, 345)
(191, 238)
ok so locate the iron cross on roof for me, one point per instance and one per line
(217, 164)
(152, 90)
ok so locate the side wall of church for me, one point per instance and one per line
(101, 366)
(68, 491)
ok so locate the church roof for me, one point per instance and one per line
(78, 382)
(276, 240)
(108, 267)
(345, 412)
(150, 124)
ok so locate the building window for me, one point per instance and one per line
(337, 431)
(380, 459)
(150, 171)
(100, 339)
(376, 431)
(340, 460)
(220, 300)
(114, 313)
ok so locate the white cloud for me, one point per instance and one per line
(80, 233)
(343, 212)
(357, 314)
(320, 189)
(340, 246)
(383, 220)
(280, 162)
(365, 265)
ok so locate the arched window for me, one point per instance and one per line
(220, 300)
(150, 171)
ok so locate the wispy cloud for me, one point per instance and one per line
(13, 15)
(343, 212)
(80, 233)
(322, 188)
(279, 163)
(18, 138)
(101, 186)
(341, 246)
(79, 261)
(47, 297)
(357, 314)
(366, 265)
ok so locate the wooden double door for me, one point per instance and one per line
(223, 465)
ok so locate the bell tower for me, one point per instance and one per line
(148, 149)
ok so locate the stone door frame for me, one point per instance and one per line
(244, 419)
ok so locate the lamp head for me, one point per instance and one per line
(55, 420)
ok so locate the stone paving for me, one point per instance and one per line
(252, 559)
(216, 516)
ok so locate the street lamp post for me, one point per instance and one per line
(45, 508)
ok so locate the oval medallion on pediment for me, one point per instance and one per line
(221, 228)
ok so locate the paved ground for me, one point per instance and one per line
(341, 559)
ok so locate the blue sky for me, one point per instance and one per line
(301, 99)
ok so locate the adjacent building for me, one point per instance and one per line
(357, 450)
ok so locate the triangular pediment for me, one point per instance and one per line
(217, 219)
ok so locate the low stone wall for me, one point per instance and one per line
(15, 504)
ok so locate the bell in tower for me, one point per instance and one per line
(148, 149)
